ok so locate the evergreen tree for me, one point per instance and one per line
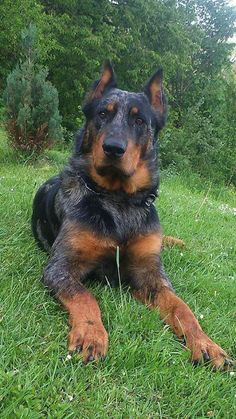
(33, 119)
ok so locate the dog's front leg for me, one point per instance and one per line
(151, 286)
(74, 255)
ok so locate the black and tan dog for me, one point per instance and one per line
(104, 200)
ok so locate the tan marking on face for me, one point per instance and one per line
(106, 182)
(131, 157)
(127, 163)
(136, 169)
(111, 107)
(134, 110)
(97, 151)
(140, 179)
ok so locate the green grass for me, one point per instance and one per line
(146, 373)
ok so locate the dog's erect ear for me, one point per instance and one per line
(154, 91)
(107, 80)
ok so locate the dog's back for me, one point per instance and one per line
(45, 221)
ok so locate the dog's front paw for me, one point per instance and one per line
(204, 349)
(90, 339)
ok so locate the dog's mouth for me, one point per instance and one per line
(114, 163)
(113, 170)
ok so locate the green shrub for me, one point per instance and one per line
(204, 141)
(32, 116)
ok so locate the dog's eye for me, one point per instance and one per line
(139, 121)
(102, 114)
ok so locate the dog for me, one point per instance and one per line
(103, 201)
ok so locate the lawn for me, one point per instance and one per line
(146, 373)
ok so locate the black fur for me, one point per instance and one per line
(103, 201)
(74, 197)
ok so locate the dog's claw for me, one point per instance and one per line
(203, 348)
(229, 363)
(206, 356)
(89, 342)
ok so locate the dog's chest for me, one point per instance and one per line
(116, 220)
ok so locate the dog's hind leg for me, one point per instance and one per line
(45, 222)
(170, 241)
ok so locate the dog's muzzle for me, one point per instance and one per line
(114, 148)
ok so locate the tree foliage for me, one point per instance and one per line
(33, 119)
(188, 38)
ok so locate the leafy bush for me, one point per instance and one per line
(204, 141)
(33, 119)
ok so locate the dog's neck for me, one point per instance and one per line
(143, 197)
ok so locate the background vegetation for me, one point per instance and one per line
(32, 116)
(188, 38)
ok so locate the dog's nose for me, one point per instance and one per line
(113, 148)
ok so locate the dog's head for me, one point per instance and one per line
(121, 130)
